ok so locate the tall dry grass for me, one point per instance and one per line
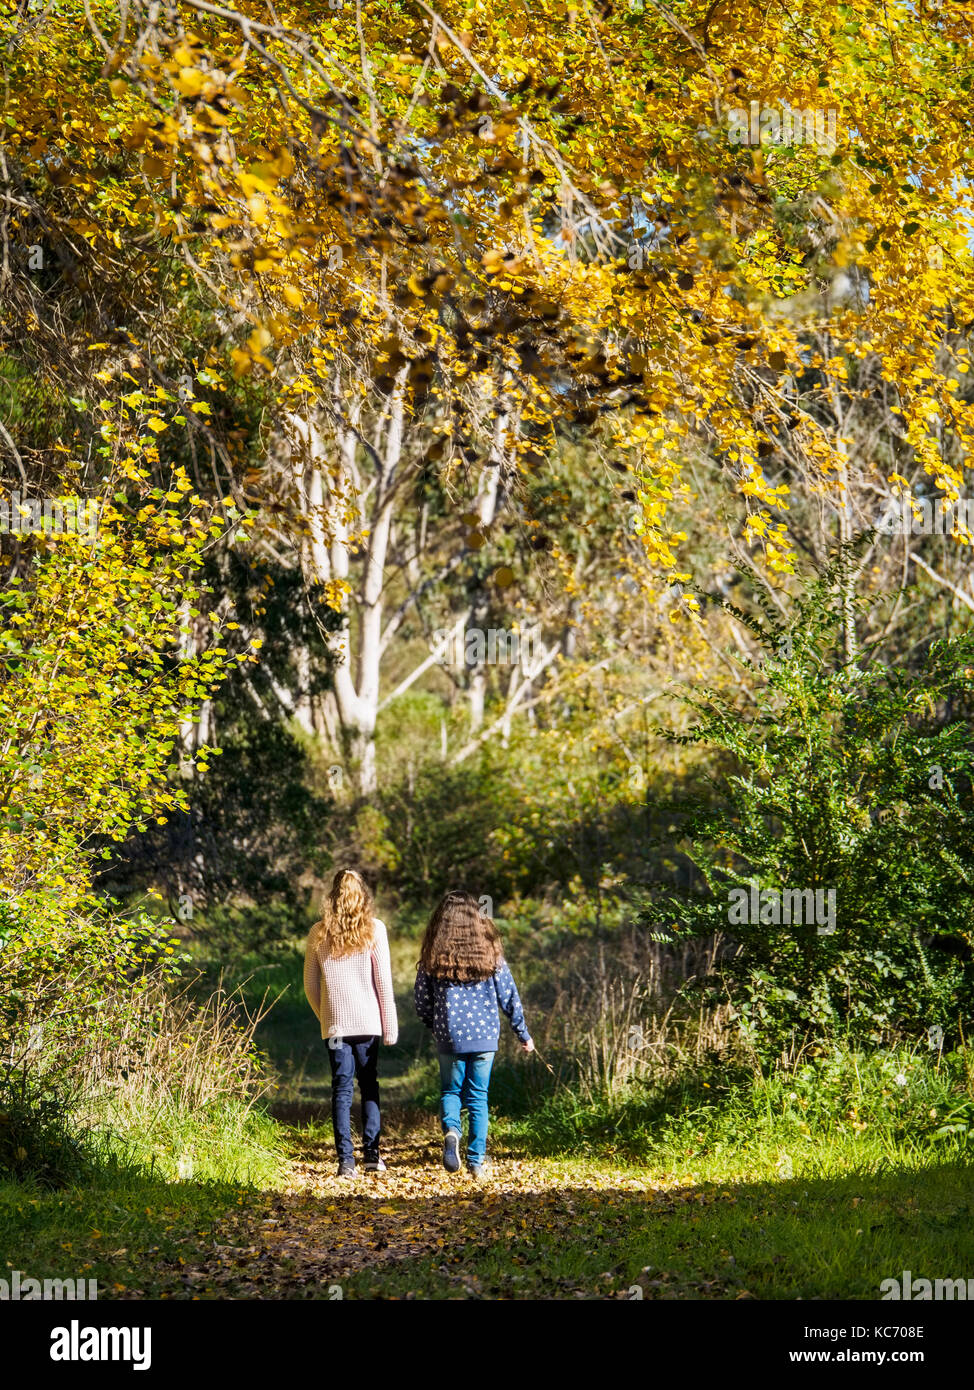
(174, 1049)
(616, 1017)
(156, 1072)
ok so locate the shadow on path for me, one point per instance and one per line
(544, 1229)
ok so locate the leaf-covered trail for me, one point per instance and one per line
(324, 1236)
(555, 1228)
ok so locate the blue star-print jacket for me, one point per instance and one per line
(464, 1017)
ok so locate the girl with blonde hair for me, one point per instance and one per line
(348, 981)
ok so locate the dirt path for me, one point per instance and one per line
(319, 1231)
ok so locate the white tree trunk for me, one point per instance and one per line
(489, 502)
(330, 491)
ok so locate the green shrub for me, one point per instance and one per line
(871, 1108)
(851, 779)
(39, 1136)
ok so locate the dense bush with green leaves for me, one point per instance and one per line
(848, 779)
(543, 818)
(40, 1140)
(69, 989)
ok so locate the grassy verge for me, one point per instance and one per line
(118, 1229)
(227, 1142)
(131, 1222)
(590, 1237)
(895, 1108)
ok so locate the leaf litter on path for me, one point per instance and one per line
(318, 1229)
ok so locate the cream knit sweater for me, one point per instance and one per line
(352, 996)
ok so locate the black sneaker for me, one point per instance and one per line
(451, 1151)
(346, 1168)
(476, 1170)
(375, 1165)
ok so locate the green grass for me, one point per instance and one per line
(225, 1143)
(814, 1238)
(813, 1184)
(131, 1215)
(898, 1107)
(121, 1228)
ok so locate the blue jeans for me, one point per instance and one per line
(464, 1079)
(355, 1057)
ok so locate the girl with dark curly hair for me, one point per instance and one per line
(461, 980)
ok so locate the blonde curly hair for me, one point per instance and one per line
(347, 924)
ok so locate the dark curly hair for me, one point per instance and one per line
(461, 942)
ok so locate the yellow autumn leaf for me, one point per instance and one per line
(189, 81)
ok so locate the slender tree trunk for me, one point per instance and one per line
(489, 503)
(331, 497)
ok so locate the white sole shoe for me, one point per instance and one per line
(451, 1151)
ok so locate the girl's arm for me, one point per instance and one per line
(382, 978)
(312, 979)
(423, 996)
(510, 1001)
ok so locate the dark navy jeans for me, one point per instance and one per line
(464, 1079)
(351, 1059)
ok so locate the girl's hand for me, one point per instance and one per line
(529, 1045)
